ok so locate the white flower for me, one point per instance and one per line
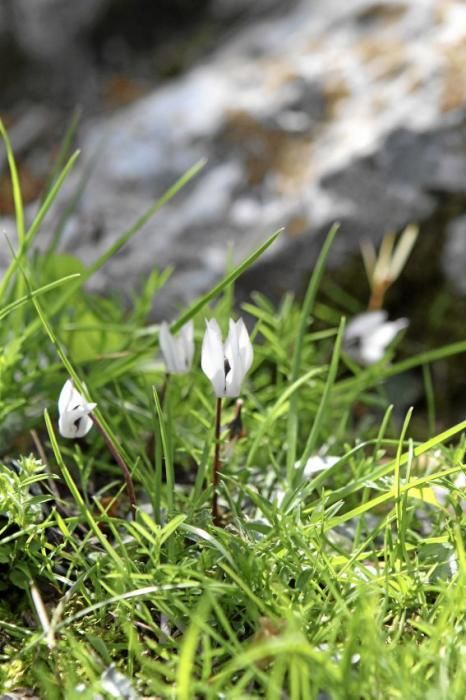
(368, 335)
(317, 463)
(226, 364)
(74, 420)
(177, 350)
(441, 493)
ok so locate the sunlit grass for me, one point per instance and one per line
(343, 583)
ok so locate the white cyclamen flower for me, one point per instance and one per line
(317, 463)
(177, 351)
(368, 335)
(74, 410)
(226, 364)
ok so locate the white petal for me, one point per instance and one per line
(74, 420)
(235, 375)
(85, 425)
(239, 353)
(65, 426)
(364, 323)
(245, 346)
(369, 354)
(316, 464)
(376, 343)
(212, 350)
(167, 347)
(187, 335)
(232, 344)
(213, 358)
(184, 344)
(76, 423)
(66, 395)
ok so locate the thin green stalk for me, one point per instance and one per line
(169, 470)
(34, 293)
(224, 283)
(85, 512)
(370, 377)
(119, 243)
(366, 490)
(308, 304)
(389, 468)
(33, 229)
(16, 187)
(430, 397)
(316, 426)
(158, 471)
(63, 153)
(120, 461)
(154, 449)
(397, 482)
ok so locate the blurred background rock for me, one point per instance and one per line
(308, 112)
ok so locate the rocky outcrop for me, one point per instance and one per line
(454, 254)
(325, 112)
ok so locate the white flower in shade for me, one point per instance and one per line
(441, 493)
(318, 463)
(74, 410)
(177, 350)
(226, 364)
(368, 335)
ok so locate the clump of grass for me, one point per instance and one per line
(345, 581)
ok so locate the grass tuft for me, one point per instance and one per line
(342, 581)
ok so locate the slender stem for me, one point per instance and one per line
(153, 448)
(120, 461)
(216, 470)
(163, 388)
(156, 448)
(43, 458)
(42, 614)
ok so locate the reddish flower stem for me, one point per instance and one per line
(378, 294)
(120, 461)
(217, 464)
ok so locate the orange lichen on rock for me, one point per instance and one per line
(454, 86)
(31, 187)
(268, 149)
(336, 90)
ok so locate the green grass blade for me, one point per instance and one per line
(368, 377)
(33, 294)
(38, 219)
(51, 196)
(389, 495)
(63, 153)
(306, 311)
(164, 199)
(17, 196)
(316, 426)
(275, 409)
(225, 282)
(386, 469)
(169, 471)
(122, 240)
(76, 495)
(397, 480)
(184, 678)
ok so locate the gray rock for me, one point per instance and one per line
(328, 112)
(454, 254)
(228, 9)
(45, 28)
